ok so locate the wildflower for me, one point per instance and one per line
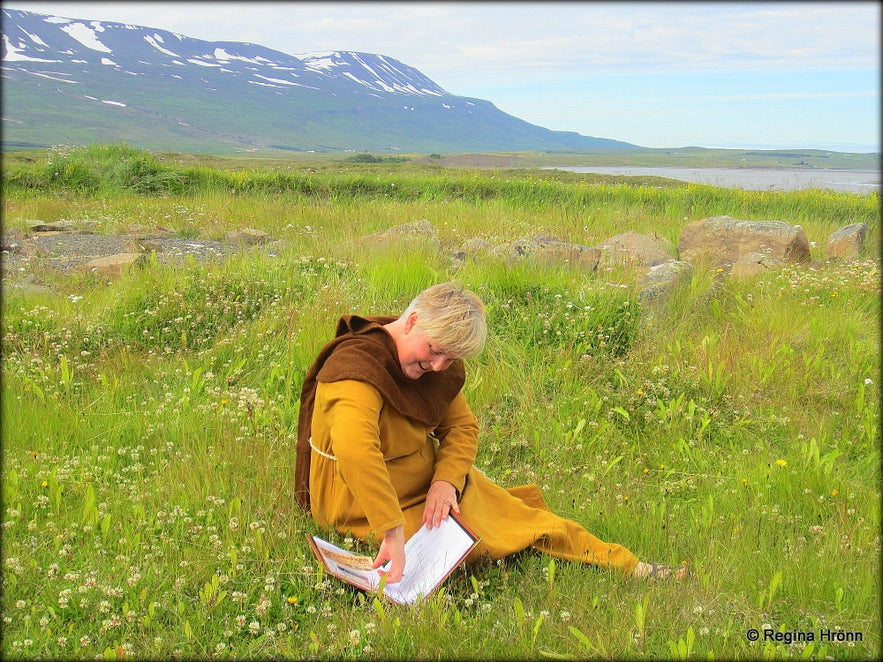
(44, 484)
(834, 493)
(291, 599)
(782, 463)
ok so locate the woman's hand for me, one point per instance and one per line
(392, 549)
(440, 501)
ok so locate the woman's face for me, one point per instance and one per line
(418, 353)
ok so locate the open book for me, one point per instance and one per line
(430, 557)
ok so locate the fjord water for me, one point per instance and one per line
(752, 179)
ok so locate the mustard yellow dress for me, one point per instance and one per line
(371, 467)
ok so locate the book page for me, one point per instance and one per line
(353, 568)
(430, 556)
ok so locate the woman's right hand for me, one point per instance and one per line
(392, 549)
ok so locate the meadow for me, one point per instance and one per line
(149, 421)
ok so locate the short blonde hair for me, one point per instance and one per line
(451, 316)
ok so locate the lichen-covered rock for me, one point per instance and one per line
(634, 249)
(847, 242)
(722, 240)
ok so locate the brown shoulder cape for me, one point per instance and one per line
(364, 351)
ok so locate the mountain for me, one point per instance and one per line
(73, 81)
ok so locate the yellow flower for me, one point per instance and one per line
(291, 599)
(834, 493)
(44, 484)
(640, 392)
(782, 463)
(646, 470)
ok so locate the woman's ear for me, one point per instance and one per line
(410, 321)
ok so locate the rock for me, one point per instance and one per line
(752, 264)
(723, 240)
(548, 250)
(112, 265)
(249, 237)
(658, 283)
(474, 248)
(847, 242)
(56, 226)
(477, 246)
(407, 234)
(635, 249)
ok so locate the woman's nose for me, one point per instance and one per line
(440, 363)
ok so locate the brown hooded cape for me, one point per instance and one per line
(364, 351)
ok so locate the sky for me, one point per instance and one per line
(656, 74)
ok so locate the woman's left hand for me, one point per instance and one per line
(440, 501)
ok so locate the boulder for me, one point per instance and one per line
(112, 265)
(248, 237)
(548, 250)
(635, 249)
(847, 242)
(752, 264)
(659, 282)
(723, 240)
(55, 226)
(406, 234)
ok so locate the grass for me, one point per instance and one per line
(149, 426)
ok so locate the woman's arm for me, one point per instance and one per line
(458, 445)
(353, 411)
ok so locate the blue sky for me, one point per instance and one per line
(657, 74)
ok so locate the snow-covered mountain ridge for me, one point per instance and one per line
(74, 80)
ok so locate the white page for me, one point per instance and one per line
(429, 555)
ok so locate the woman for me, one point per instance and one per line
(387, 443)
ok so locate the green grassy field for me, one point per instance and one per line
(149, 421)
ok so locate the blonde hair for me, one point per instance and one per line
(452, 316)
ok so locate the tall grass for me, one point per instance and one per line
(149, 427)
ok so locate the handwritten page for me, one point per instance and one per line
(430, 556)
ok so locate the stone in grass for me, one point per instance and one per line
(847, 242)
(660, 281)
(249, 237)
(723, 240)
(113, 265)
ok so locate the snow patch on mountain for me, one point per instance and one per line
(86, 36)
(155, 41)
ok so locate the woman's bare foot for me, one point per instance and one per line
(658, 571)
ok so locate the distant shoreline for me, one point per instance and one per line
(843, 180)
